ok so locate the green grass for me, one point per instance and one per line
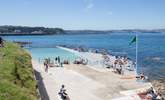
(16, 74)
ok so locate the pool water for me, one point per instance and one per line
(52, 53)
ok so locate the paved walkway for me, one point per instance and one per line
(78, 87)
(82, 83)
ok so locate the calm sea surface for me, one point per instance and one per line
(151, 48)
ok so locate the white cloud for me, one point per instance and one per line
(88, 4)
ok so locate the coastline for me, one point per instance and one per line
(26, 34)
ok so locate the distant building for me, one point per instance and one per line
(37, 32)
(17, 31)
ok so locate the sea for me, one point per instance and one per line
(150, 48)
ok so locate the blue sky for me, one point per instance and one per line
(84, 14)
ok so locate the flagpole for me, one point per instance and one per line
(136, 53)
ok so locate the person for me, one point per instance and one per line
(46, 66)
(159, 97)
(96, 51)
(142, 77)
(62, 89)
(58, 58)
(63, 94)
(1, 42)
(115, 63)
(120, 69)
(61, 64)
(150, 90)
(66, 62)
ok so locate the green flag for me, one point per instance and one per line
(133, 40)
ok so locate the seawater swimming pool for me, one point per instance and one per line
(42, 53)
(151, 47)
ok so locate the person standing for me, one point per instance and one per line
(61, 64)
(46, 66)
(58, 59)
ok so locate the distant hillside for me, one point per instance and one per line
(24, 30)
(115, 31)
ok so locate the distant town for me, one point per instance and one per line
(25, 30)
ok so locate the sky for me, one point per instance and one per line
(84, 14)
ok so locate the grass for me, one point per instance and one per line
(17, 80)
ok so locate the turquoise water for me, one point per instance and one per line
(151, 51)
(42, 53)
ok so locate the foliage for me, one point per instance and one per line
(17, 80)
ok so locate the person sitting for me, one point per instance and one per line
(159, 97)
(150, 90)
(154, 94)
(142, 77)
(63, 94)
(62, 89)
(66, 62)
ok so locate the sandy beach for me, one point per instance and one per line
(85, 83)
